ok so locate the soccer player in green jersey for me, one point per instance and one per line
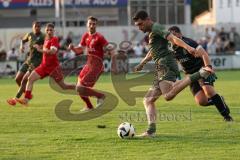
(34, 58)
(166, 69)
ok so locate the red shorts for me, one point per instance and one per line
(55, 73)
(89, 75)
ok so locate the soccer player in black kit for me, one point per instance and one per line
(203, 90)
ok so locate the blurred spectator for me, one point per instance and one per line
(12, 55)
(68, 40)
(138, 50)
(7, 70)
(234, 39)
(211, 46)
(3, 55)
(207, 33)
(222, 41)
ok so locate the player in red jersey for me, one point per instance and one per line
(95, 44)
(49, 65)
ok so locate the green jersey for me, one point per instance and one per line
(166, 67)
(34, 58)
(158, 44)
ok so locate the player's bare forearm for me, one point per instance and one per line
(77, 50)
(200, 52)
(146, 59)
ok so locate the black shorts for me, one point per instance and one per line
(196, 86)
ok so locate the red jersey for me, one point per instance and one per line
(94, 44)
(50, 60)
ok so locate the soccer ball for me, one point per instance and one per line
(125, 130)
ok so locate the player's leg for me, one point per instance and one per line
(218, 101)
(19, 77)
(88, 92)
(57, 75)
(87, 78)
(199, 95)
(66, 86)
(34, 76)
(20, 73)
(85, 99)
(21, 89)
(182, 84)
(149, 103)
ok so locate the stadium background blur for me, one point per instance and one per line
(219, 36)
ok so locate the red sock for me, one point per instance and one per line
(28, 94)
(90, 92)
(87, 101)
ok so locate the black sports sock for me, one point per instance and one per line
(220, 105)
(19, 94)
(210, 102)
(151, 128)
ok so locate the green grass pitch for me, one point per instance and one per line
(184, 130)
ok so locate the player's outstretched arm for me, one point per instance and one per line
(146, 59)
(77, 50)
(175, 40)
(200, 52)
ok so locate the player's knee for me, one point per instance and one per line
(148, 100)
(169, 97)
(211, 94)
(202, 102)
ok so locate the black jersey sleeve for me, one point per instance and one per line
(190, 42)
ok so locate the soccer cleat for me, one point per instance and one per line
(85, 109)
(100, 101)
(23, 101)
(205, 72)
(12, 101)
(228, 118)
(146, 135)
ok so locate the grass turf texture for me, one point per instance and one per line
(184, 130)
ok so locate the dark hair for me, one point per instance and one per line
(92, 18)
(36, 23)
(174, 29)
(140, 15)
(51, 25)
